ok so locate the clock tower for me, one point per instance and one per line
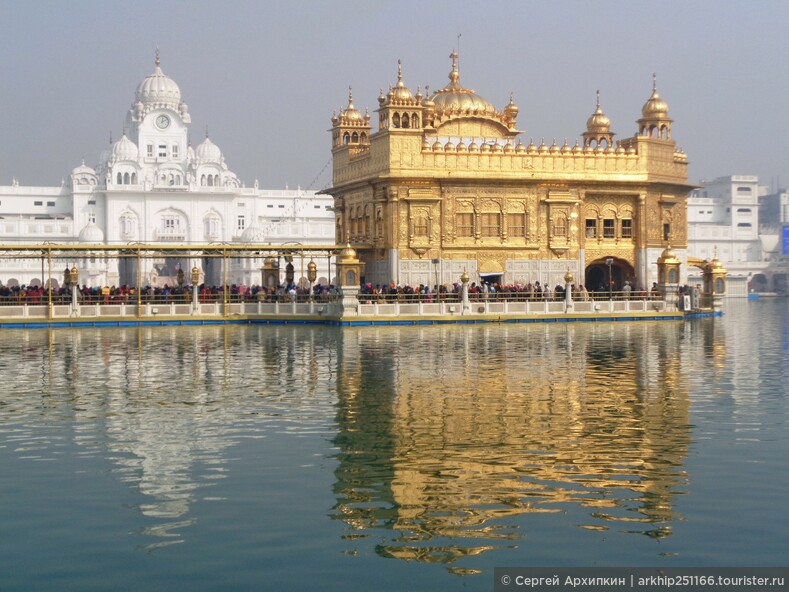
(158, 120)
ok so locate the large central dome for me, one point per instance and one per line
(453, 98)
(158, 89)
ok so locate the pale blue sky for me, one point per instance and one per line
(265, 77)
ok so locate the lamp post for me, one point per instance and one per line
(312, 274)
(568, 290)
(609, 262)
(74, 286)
(289, 271)
(464, 303)
(195, 280)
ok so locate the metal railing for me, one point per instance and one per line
(504, 296)
(37, 298)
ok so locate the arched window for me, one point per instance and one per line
(134, 178)
(396, 120)
(355, 138)
(120, 179)
(210, 180)
(346, 138)
(128, 223)
(405, 121)
(414, 120)
(125, 178)
(178, 179)
(216, 180)
(202, 180)
(363, 138)
(560, 225)
(211, 226)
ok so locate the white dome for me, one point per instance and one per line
(159, 90)
(91, 234)
(83, 169)
(125, 149)
(253, 234)
(208, 152)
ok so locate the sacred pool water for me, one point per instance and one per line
(410, 458)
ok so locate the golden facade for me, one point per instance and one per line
(446, 184)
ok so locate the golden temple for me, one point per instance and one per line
(446, 185)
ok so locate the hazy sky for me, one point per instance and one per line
(264, 77)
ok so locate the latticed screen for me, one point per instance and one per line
(609, 228)
(627, 228)
(516, 225)
(465, 224)
(591, 228)
(490, 224)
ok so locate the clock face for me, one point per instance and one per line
(162, 122)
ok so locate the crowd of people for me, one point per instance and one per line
(368, 293)
(36, 294)
(494, 290)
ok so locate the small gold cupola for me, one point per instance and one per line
(350, 127)
(655, 122)
(598, 132)
(399, 108)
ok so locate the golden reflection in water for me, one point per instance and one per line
(476, 427)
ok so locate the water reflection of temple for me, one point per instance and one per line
(165, 404)
(451, 446)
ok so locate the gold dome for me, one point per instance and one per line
(669, 256)
(347, 254)
(453, 98)
(599, 121)
(351, 113)
(716, 265)
(511, 108)
(401, 92)
(655, 106)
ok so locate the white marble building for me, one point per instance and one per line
(724, 221)
(152, 186)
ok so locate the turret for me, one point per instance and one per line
(350, 127)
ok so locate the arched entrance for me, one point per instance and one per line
(607, 273)
(760, 283)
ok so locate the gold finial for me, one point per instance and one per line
(598, 99)
(157, 60)
(350, 97)
(399, 72)
(454, 75)
(654, 82)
